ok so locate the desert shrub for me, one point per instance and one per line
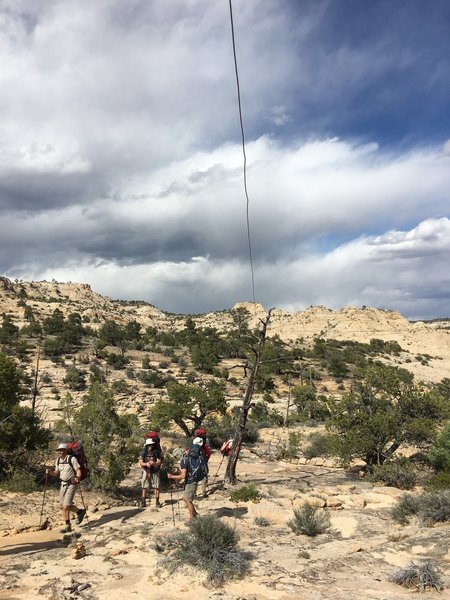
(398, 472)
(405, 508)
(309, 520)
(261, 522)
(420, 576)
(439, 481)
(245, 493)
(435, 507)
(431, 508)
(21, 481)
(211, 546)
(319, 445)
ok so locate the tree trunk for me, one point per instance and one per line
(230, 473)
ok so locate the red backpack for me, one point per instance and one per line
(76, 449)
(154, 435)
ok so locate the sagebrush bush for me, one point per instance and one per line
(435, 507)
(209, 545)
(245, 493)
(405, 508)
(398, 473)
(309, 520)
(431, 508)
(420, 576)
(261, 521)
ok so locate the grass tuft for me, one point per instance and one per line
(245, 493)
(420, 576)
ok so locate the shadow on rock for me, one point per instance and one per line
(225, 511)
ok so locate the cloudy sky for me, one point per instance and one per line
(121, 159)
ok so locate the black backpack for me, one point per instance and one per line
(197, 469)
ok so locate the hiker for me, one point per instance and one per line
(150, 461)
(206, 450)
(68, 469)
(225, 448)
(192, 471)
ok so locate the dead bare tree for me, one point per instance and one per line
(230, 473)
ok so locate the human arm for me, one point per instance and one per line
(179, 477)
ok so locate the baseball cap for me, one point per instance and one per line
(198, 441)
(149, 442)
(62, 447)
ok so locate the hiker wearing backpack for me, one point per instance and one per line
(225, 448)
(206, 450)
(192, 471)
(68, 469)
(150, 461)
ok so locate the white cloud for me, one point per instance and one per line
(121, 162)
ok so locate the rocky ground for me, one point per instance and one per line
(124, 545)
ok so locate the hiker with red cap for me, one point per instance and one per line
(68, 469)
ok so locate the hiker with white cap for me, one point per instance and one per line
(68, 469)
(192, 470)
(150, 461)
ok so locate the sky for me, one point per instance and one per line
(121, 160)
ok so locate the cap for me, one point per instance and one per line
(198, 441)
(62, 447)
(149, 441)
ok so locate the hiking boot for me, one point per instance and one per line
(66, 529)
(80, 516)
(158, 504)
(142, 503)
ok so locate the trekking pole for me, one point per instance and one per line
(178, 502)
(218, 469)
(171, 504)
(43, 499)
(84, 505)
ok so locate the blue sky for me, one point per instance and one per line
(121, 161)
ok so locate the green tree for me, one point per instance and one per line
(8, 331)
(75, 379)
(384, 410)
(439, 452)
(111, 441)
(20, 430)
(112, 333)
(189, 405)
(54, 324)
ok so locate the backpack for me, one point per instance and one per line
(197, 469)
(154, 435)
(225, 449)
(76, 449)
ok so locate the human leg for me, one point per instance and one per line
(188, 497)
(155, 481)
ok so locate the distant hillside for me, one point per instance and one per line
(424, 347)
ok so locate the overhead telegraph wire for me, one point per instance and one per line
(243, 152)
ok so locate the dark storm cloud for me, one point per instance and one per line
(39, 192)
(121, 159)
